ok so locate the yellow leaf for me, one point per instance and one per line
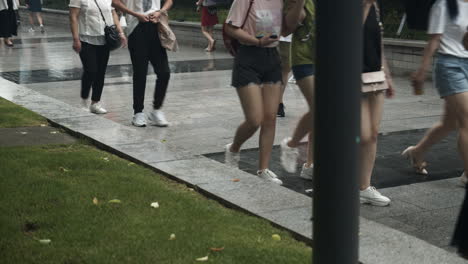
(205, 258)
(45, 241)
(62, 169)
(115, 201)
(131, 164)
(155, 205)
(106, 159)
(95, 201)
(172, 237)
(276, 237)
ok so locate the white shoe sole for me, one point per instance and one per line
(373, 202)
(138, 125)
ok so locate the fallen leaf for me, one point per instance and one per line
(191, 189)
(115, 201)
(62, 169)
(45, 241)
(155, 205)
(23, 133)
(131, 164)
(235, 180)
(172, 237)
(276, 237)
(205, 258)
(217, 249)
(95, 201)
(54, 132)
(106, 159)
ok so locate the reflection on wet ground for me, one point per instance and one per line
(113, 71)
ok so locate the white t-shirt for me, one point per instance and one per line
(90, 20)
(137, 6)
(452, 31)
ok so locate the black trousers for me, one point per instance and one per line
(144, 46)
(94, 59)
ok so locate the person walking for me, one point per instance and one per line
(300, 19)
(372, 101)
(448, 24)
(87, 27)
(256, 75)
(35, 9)
(8, 23)
(209, 18)
(142, 17)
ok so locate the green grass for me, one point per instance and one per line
(11, 115)
(39, 200)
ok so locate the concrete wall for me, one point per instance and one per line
(403, 56)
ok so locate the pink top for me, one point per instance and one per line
(265, 17)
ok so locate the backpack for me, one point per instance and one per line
(417, 13)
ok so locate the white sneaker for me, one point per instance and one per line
(157, 118)
(307, 172)
(31, 29)
(463, 180)
(97, 109)
(231, 158)
(292, 80)
(268, 175)
(139, 120)
(373, 197)
(288, 156)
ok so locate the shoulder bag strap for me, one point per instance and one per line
(247, 15)
(102, 15)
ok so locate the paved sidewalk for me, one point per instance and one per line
(204, 112)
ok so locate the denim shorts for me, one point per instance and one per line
(302, 71)
(450, 74)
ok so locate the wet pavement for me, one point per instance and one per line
(204, 112)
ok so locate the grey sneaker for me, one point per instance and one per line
(373, 197)
(288, 156)
(97, 109)
(157, 118)
(231, 158)
(139, 120)
(307, 173)
(268, 175)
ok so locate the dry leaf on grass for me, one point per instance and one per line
(155, 205)
(106, 159)
(205, 258)
(115, 201)
(95, 201)
(62, 169)
(217, 249)
(44, 241)
(276, 237)
(172, 237)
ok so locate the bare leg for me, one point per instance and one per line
(436, 133)
(208, 37)
(252, 104)
(371, 114)
(271, 95)
(305, 125)
(459, 102)
(39, 18)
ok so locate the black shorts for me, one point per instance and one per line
(255, 65)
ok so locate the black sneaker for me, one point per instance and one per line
(281, 110)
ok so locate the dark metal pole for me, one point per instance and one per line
(337, 126)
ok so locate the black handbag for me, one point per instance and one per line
(111, 33)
